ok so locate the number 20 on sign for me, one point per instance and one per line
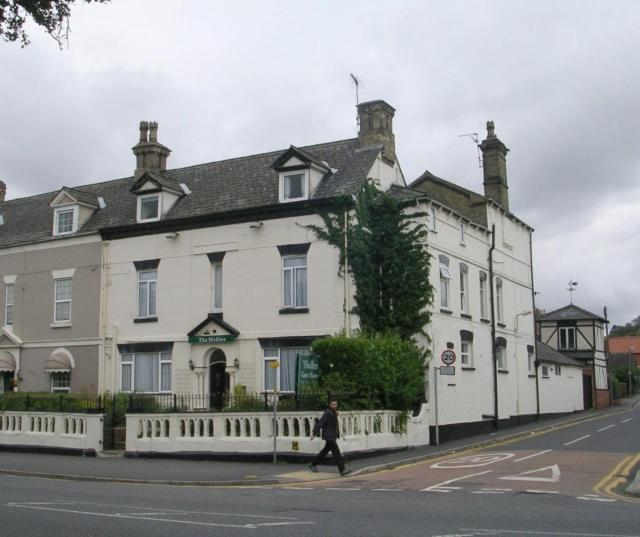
(448, 357)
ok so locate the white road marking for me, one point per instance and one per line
(387, 490)
(440, 485)
(533, 455)
(284, 521)
(503, 490)
(487, 492)
(298, 488)
(536, 491)
(338, 488)
(605, 428)
(526, 476)
(473, 461)
(547, 533)
(577, 440)
(627, 420)
(588, 498)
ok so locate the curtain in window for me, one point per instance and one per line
(288, 367)
(295, 281)
(146, 372)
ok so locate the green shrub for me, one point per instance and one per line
(381, 371)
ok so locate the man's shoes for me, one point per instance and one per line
(345, 472)
(312, 467)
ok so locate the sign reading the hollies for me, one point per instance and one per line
(448, 357)
(211, 339)
(308, 370)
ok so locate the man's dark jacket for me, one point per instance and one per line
(329, 425)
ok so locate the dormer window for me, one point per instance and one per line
(148, 207)
(294, 186)
(65, 220)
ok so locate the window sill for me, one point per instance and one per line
(466, 316)
(503, 371)
(146, 320)
(287, 311)
(502, 325)
(61, 324)
(463, 244)
(468, 368)
(448, 312)
(531, 376)
(545, 377)
(486, 321)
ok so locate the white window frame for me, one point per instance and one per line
(143, 197)
(305, 185)
(501, 357)
(9, 289)
(57, 301)
(462, 233)
(558, 369)
(275, 354)
(445, 277)
(293, 298)
(60, 388)
(432, 219)
(56, 219)
(464, 288)
(216, 287)
(147, 284)
(499, 301)
(545, 372)
(483, 294)
(530, 360)
(466, 353)
(129, 360)
(564, 332)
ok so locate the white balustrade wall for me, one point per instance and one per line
(237, 432)
(52, 429)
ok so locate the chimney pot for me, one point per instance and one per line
(376, 126)
(3, 190)
(494, 167)
(150, 155)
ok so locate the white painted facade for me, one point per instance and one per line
(560, 388)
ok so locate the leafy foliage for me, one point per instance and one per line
(387, 258)
(381, 371)
(629, 329)
(52, 15)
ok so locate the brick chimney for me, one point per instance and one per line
(494, 163)
(150, 155)
(3, 190)
(376, 126)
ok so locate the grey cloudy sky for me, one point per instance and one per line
(225, 79)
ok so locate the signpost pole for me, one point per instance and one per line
(435, 402)
(275, 427)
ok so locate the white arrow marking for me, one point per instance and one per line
(440, 485)
(533, 455)
(526, 476)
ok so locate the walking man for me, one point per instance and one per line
(328, 423)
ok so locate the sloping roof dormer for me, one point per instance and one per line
(71, 209)
(300, 174)
(156, 195)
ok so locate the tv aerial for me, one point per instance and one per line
(474, 137)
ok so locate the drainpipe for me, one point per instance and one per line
(535, 337)
(493, 330)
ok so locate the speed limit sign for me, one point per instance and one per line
(448, 357)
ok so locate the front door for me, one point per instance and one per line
(218, 379)
(5, 382)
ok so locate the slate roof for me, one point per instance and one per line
(217, 187)
(466, 202)
(550, 355)
(570, 313)
(81, 196)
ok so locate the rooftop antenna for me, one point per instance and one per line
(356, 81)
(474, 137)
(572, 288)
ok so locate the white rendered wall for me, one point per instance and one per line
(561, 393)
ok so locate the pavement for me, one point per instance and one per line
(116, 469)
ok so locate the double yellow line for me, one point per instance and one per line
(616, 477)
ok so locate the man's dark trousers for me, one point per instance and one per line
(330, 445)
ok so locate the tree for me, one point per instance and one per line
(387, 258)
(52, 15)
(629, 329)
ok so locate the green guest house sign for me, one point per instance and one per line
(203, 340)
